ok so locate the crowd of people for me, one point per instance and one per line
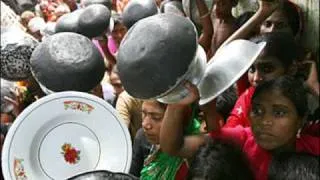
(265, 126)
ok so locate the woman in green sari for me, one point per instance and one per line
(148, 161)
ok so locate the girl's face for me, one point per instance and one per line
(274, 120)
(277, 22)
(118, 32)
(265, 69)
(152, 115)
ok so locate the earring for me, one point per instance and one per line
(298, 133)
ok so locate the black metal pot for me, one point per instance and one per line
(103, 175)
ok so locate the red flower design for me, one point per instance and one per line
(71, 155)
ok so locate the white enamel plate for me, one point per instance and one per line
(64, 134)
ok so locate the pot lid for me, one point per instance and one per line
(155, 53)
(226, 67)
(137, 10)
(67, 61)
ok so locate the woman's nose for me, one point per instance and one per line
(257, 77)
(146, 123)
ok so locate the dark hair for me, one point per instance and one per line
(225, 102)
(293, 165)
(293, 15)
(291, 88)
(162, 105)
(219, 160)
(280, 45)
(243, 18)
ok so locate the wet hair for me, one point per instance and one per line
(225, 102)
(293, 15)
(291, 88)
(293, 165)
(220, 160)
(280, 45)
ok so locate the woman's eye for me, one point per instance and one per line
(143, 114)
(252, 69)
(267, 70)
(279, 113)
(267, 24)
(256, 111)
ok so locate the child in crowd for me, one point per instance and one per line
(292, 165)
(155, 164)
(277, 115)
(277, 59)
(219, 160)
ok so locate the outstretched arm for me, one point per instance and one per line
(172, 139)
(266, 8)
(207, 28)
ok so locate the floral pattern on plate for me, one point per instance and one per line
(19, 171)
(71, 155)
(77, 105)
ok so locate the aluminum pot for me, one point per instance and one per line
(226, 67)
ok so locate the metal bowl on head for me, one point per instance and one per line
(226, 67)
(194, 74)
(166, 55)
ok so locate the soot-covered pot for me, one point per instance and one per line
(137, 10)
(103, 175)
(7, 90)
(157, 55)
(90, 21)
(16, 50)
(107, 3)
(172, 7)
(67, 61)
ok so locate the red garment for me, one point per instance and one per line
(240, 111)
(242, 84)
(182, 172)
(259, 158)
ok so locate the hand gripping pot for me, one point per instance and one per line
(16, 49)
(67, 61)
(226, 67)
(157, 55)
